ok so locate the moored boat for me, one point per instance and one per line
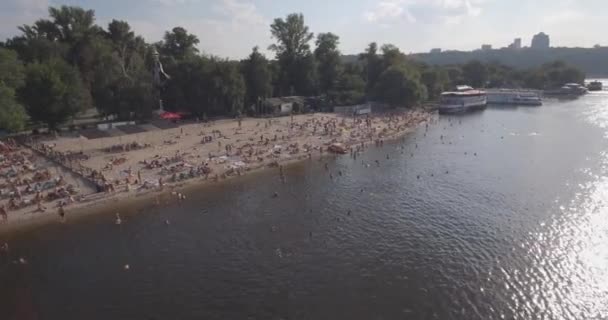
(595, 86)
(568, 90)
(465, 99)
(514, 97)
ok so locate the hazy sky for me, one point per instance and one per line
(232, 27)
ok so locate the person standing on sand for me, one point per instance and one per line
(139, 176)
(61, 212)
(41, 208)
(3, 213)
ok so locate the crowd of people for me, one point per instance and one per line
(27, 181)
(196, 151)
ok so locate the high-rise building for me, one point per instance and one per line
(516, 44)
(486, 47)
(540, 41)
(436, 50)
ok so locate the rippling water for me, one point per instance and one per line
(503, 217)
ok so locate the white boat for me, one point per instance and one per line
(466, 98)
(514, 97)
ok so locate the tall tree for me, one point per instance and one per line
(53, 92)
(372, 66)
(258, 79)
(400, 86)
(475, 73)
(391, 56)
(293, 54)
(12, 114)
(179, 44)
(328, 60)
(122, 84)
(76, 27)
(228, 88)
(436, 81)
(349, 88)
(39, 42)
(11, 69)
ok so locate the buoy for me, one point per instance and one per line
(127, 267)
(167, 222)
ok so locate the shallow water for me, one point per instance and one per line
(505, 217)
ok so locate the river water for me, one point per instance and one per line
(504, 217)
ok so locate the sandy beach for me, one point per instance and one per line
(76, 175)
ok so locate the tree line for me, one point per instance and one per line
(64, 64)
(592, 61)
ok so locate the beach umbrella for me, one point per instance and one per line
(170, 116)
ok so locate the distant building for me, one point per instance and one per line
(540, 41)
(486, 47)
(436, 50)
(516, 44)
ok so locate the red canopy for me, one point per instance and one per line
(170, 116)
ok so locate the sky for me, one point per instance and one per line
(231, 28)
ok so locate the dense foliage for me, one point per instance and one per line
(64, 64)
(12, 113)
(592, 61)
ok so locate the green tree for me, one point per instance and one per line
(53, 92)
(228, 88)
(553, 75)
(206, 86)
(372, 66)
(455, 75)
(436, 81)
(475, 73)
(39, 42)
(190, 86)
(122, 83)
(12, 114)
(349, 88)
(11, 69)
(391, 56)
(179, 44)
(400, 86)
(293, 54)
(76, 28)
(328, 60)
(258, 79)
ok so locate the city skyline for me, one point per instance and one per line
(231, 28)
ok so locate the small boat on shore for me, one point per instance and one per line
(464, 99)
(568, 90)
(595, 86)
(514, 97)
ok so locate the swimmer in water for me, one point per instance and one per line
(118, 220)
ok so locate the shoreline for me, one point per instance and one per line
(98, 203)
